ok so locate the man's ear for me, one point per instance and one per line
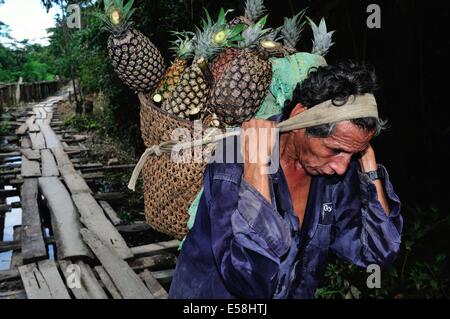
(299, 108)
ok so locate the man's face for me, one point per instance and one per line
(332, 154)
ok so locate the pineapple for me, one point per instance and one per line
(242, 86)
(291, 30)
(190, 96)
(183, 48)
(136, 60)
(322, 39)
(254, 9)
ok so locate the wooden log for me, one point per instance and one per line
(8, 172)
(10, 165)
(51, 140)
(10, 139)
(33, 245)
(9, 275)
(73, 180)
(9, 154)
(81, 280)
(93, 176)
(9, 193)
(126, 280)
(8, 207)
(75, 183)
(37, 141)
(15, 294)
(164, 276)
(136, 227)
(62, 159)
(49, 167)
(7, 149)
(65, 219)
(17, 257)
(111, 213)
(30, 120)
(7, 177)
(33, 128)
(151, 262)
(17, 244)
(153, 285)
(31, 154)
(26, 142)
(30, 168)
(109, 196)
(88, 165)
(10, 159)
(93, 217)
(16, 182)
(108, 283)
(110, 168)
(156, 248)
(43, 281)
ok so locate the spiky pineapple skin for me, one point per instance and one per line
(171, 78)
(237, 95)
(136, 60)
(190, 93)
(223, 61)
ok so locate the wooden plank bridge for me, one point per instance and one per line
(91, 259)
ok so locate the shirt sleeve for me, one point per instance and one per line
(248, 236)
(363, 233)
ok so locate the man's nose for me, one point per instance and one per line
(340, 164)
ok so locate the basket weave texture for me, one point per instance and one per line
(169, 187)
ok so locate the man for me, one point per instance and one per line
(268, 236)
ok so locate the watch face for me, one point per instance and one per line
(372, 175)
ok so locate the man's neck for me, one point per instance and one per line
(289, 155)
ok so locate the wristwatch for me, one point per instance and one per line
(373, 175)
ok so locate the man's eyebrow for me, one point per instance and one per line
(339, 149)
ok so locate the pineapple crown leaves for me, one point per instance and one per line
(183, 46)
(254, 33)
(229, 37)
(292, 28)
(117, 15)
(254, 9)
(204, 46)
(213, 37)
(322, 39)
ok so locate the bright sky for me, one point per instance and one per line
(27, 19)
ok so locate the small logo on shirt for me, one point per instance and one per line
(326, 214)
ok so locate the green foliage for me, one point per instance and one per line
(420, 271)
(31, 62)
(4, 128)
(83, 123)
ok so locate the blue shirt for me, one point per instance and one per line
(242, 246)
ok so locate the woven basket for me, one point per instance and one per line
(169, 187)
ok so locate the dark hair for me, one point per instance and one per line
(335, 82)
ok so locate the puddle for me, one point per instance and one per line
(12, 218)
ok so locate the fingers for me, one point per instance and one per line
(257, 140)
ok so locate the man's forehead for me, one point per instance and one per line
(349, 137)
